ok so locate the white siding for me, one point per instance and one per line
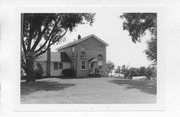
(58, 72)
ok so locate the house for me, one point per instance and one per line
(86, 56)
(53, 63)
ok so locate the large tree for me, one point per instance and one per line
(41, 30)
(137, 24)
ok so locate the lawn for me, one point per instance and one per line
(88, 91)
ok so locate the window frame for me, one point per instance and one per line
(60, 64)
(82, 64)
(83, 50)
(100, 54)
(57, 65)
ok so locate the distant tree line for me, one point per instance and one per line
(129, 72)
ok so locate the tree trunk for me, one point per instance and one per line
(30, 74)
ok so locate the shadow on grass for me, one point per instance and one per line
(27, 88)
(146, 86)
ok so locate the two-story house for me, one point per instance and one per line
(86, 56)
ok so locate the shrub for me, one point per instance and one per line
(23, 74)
(68, 72)
(38, 71)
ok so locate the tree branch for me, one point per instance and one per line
(48, 39)
(38, 39)
(23, 45)
(49, 44)
(30, 35)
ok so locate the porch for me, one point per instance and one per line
(95, 67)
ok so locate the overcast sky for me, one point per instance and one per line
(121, 49)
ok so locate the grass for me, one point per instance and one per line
(88, 91)
(146, 86)
(28, 88)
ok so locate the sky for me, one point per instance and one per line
(121, 49)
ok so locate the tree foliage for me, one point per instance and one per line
(129, 72)
(110, 67)
(137, 24)
(151, 50)
(41, 30)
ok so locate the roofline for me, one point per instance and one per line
(81, 40)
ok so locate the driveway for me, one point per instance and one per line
(88, 91)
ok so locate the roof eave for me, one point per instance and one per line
(83, 39)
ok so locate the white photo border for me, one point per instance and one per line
(14, 32)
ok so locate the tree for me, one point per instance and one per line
(151, 50)
(41, 30)
(125, 71)
(118, 70)
(150, 72)
(110, 67)
(137, 24)
(142, 71)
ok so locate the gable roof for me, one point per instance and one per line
(82, 39)
(55, 57)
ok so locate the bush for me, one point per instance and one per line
(68, 72)
(23, 74)
(38, 71)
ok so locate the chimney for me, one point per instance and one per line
(79, 36)
(48, 67)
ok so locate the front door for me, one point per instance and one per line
(93, 66)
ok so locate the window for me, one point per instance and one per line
(99, 52)
(60, 65)
(82, 51)
(55, 65)
(83, 65)
(100, 64)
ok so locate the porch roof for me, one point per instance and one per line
(55, 57)
(92, 60)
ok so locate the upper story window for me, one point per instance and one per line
(82, 50)
(100, 52)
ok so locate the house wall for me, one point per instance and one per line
(53, 72)
(58, 72)
(91, 49)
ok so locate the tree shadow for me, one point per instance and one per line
(146, 86)
(28, 88)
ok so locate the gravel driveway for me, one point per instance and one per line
(88, 90)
